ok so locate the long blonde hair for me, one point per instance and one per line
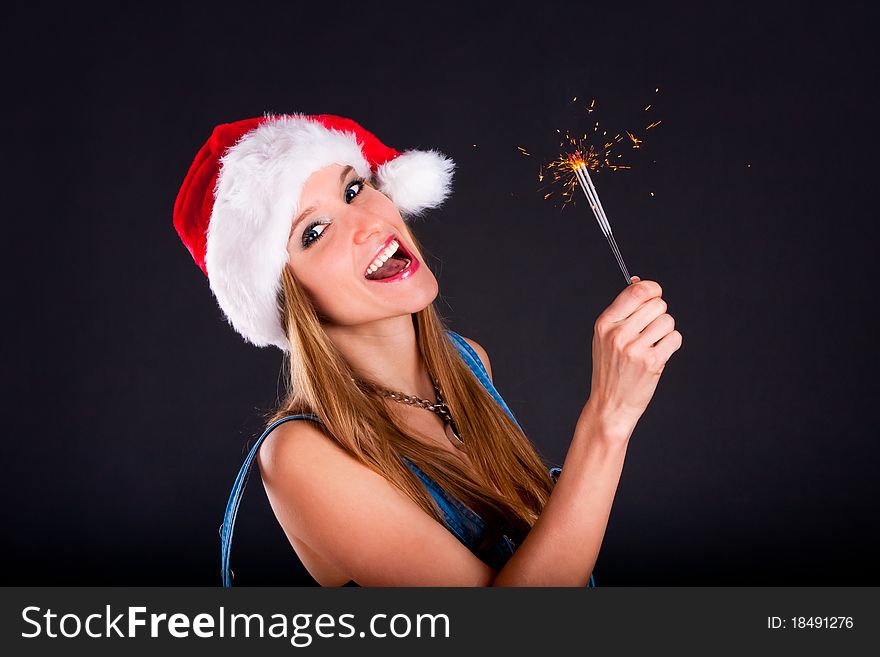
(512, 485)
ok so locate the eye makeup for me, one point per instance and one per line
(307, 240)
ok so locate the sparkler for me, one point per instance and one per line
(583, 176)
(572, 169)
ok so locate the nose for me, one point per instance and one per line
(367, 226)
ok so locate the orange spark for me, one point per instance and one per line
(577, 152)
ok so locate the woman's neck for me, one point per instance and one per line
(386, 352)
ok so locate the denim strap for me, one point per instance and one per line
(237, 491)
(473, 360)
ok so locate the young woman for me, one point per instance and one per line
(404, 466)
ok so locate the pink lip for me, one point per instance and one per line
(404, 273)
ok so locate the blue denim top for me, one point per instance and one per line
(461, 520)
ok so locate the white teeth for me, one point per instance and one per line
(382, 257)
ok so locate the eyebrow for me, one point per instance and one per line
(309, 210)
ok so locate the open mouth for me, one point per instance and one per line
(391, 263)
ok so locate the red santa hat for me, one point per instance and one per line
(241, 194)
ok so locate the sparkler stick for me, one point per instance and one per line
(595, 204)
(572, 169)
(586, 183)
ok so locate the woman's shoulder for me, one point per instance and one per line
(481, 353)
(300, 455)
(294, 441)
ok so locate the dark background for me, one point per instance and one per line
(129, 403)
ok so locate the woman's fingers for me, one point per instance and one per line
(661, 326)
(643, 316)
(668, 345)
(629, 300)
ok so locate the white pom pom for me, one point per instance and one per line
(416, 180)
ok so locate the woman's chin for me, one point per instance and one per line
(425, 293)
(414, 298)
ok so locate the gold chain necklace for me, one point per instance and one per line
(439, 407)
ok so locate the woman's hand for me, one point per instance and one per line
(632, 341)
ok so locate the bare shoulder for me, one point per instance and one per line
(359, 522)
(293, 449)
(482, 354)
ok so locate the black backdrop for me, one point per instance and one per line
(128, 403)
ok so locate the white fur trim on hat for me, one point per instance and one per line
(256, 200)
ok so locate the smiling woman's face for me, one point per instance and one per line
(344, 224)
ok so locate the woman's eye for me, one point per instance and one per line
(311, 234)
(353, 189)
